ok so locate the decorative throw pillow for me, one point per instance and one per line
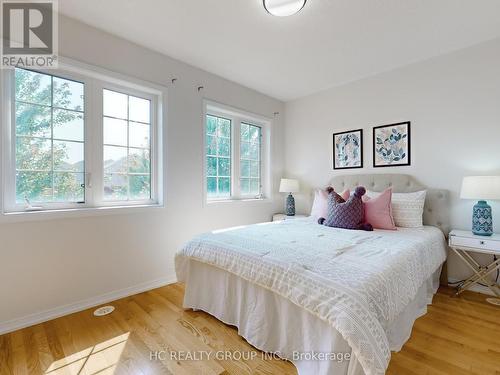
(378, 210)
(407, 208)
(345, 194)
(320, 204)
(346, 214)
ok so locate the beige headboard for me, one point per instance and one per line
(436, 211)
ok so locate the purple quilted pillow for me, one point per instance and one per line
(346, 214)
(332, 194)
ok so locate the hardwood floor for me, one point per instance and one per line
(457, 336)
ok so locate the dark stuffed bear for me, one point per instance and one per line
(346, 214)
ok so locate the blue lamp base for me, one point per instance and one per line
(290, 205)
(482, 219)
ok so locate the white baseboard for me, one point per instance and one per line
(29, 320)
(475, 288)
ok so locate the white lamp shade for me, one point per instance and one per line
(481, 187)
(289, 186)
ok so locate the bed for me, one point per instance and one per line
(331, 301)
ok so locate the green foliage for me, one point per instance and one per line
(140, 186)
(36, 118)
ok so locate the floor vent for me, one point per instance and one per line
(105, 310)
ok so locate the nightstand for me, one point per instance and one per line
(463, 243)
(281, 217)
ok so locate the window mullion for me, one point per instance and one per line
(96, 143)
(8, 138)
(13, 139)
(88, 138)
(52, 133)
(154, 173)
(262, 163)
(217, 139)
(236, 159)
(128, 148)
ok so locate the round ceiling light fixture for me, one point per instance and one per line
(283, 8)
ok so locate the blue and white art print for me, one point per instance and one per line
(348, 149)
(392, 145)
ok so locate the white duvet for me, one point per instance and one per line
(356, 281)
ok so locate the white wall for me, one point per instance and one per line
(453, 103)
(53, 263)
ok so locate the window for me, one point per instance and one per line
(75, 139)
(235, 154)
(250, 149)
(49, 138)
(218, 157)
(127, 160)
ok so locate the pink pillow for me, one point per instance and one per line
(320, 204)
(345, 194)
(378, 210)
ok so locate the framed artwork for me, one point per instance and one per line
(392, 145)
(348, 149)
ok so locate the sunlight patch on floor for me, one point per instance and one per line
(101, 359)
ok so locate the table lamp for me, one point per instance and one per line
(289, 186)
(481, 188)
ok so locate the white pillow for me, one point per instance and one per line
(407, 208)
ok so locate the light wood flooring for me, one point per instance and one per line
(457, 336)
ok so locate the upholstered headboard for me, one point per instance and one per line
(436, 211)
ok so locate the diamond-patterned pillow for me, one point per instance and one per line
(346, 214)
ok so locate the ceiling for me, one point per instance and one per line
(328, 43)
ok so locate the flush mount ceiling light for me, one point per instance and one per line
(283, 8)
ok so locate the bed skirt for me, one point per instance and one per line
(273, 324)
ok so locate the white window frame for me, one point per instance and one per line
(238, 117)
(95, 80)
(99, 191)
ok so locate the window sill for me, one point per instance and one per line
(53, 214)
(242, 200)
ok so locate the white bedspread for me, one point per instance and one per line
(356, 281)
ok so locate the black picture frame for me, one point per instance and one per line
(361, 155)
(408, 151)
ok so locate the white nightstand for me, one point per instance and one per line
(281, 217)
(463, 243)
